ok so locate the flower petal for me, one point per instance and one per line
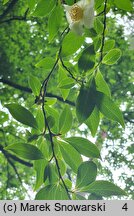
(82, 3)
(68, 9)
(68, 18)
(88, 17)
(85, 3)
(91, 3)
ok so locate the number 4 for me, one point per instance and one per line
(125, 207)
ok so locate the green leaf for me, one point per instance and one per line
(26, 151)
(62, 166)
(97, 43)
(101, 84)
(51, 121)
(69, 2)
(22, 115)
(65, 121)
(54, 21)
(109, 44)
(108, 108)
(32, 4)
(40, 120)
(85, 103)
(100, 9)
(78, 197)
(3, 117)
(62, 75)
(52, 113)
(66, 83)
(87, 59)
(70, 155)
(86, 174)
(71, 44)
(65, 93)
(51, 174)
(98, 25)
(84, 147)
(68, 183)
(94, 197)
(34, 84)
(52, 192)
(39, 166)
(124, 4)
(43, 8)
(93, 121)
(98, 3)
(50, 101)
(45, 147)
(46, 63)
(112, 57)
(57, 150)
(104, 188)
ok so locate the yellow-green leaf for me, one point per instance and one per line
(124, 4)
(112, 57)
(34, 84)
(71, 44)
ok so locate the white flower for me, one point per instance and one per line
(79, 15)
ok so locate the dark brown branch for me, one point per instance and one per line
(15, 157)
(15, 18)
(16, 86)
(28, 90)
(8, 9)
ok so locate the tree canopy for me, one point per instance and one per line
(66, 83)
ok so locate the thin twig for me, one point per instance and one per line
(53, 151)
(42, 95)
(50, 133)
(69, 71)
(100, 13)
(103, 34)
(103, 39)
